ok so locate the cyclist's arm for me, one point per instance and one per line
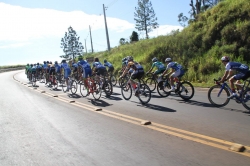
(225, 76)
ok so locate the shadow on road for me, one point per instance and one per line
(100, 103)
(75, 96)
(112, 97)
(155, 107)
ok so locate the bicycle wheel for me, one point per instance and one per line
(186, 90)
(123, 80)
(43, 79)
(163, 87)
(97, 91)
(245, 98)
(73, 87)
(113, 80)
(151, 84)
(126, 91)
(108, 88)
(63, 85)
(144, 94)
(33, 80)
(83, 90)
(218, 100)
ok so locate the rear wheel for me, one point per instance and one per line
(218, 100)
(246, 98)
(108, 88)
(113, 80)
(83, 90)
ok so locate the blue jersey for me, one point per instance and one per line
(58, 68)
(65, 66)
(237, 66)
(108, 64)
(84, 64)
(174, 65)
(98, 65)
(45, 66)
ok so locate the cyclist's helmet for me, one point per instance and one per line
(47, 62)
(130, 58)
(124, 59)
(31, 65)
(154, 59)
(225, 59)
(56, 62)
(37, 63)
(44, 62)
(105, 61)
(28, 64)
(80, 57)
(63, 61)
(168, 60)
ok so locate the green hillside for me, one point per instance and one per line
(222, 30)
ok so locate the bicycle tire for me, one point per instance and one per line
(126, 91)
(64, 85)
(144, 91)
(108, 88)
(33, 80)
(245, 98)
(151, 83)
(214, 99)
(97, 91)
(186, 90)
(73, 87)
(163, 87)
(83, 90)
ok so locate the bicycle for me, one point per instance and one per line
(92, 87)
(72, 85)
(219, 93)
(33, 79)
(142, 91)
(53, 81)
(151, 81)
(183, 88)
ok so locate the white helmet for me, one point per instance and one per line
(168, 60)
(225, 58)
(154, 59)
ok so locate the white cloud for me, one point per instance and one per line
(164, 30)
(21, 24)
(14, 45)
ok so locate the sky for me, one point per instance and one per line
(31, 30)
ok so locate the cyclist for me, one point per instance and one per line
(243, 73)
(99, 68)
(109, 65)
(159, 65)
(176, 72)
(84, 68)
(45, 70)
(57, 68)
(52, 71)
(67, 72)
(33, 70)
(26, 69)
(137, 73)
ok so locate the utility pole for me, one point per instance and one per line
(91, 39)
(86, 46)
(107, 35)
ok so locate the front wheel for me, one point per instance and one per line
(163, 87)
(186, 90)
(217, 96)
(126, 91)
(144, 94)
(97, 91)
(151, 83)
(83, 90)
(246, 99)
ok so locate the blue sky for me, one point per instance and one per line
(31, 30)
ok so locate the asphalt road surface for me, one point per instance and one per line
(41, 126)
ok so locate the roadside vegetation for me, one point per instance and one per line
(221, 30)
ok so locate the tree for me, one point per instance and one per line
(145, 17)
(71, 45)
(182, 19)
(201, 6)
(134, 37)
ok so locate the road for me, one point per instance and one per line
(40, 126)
